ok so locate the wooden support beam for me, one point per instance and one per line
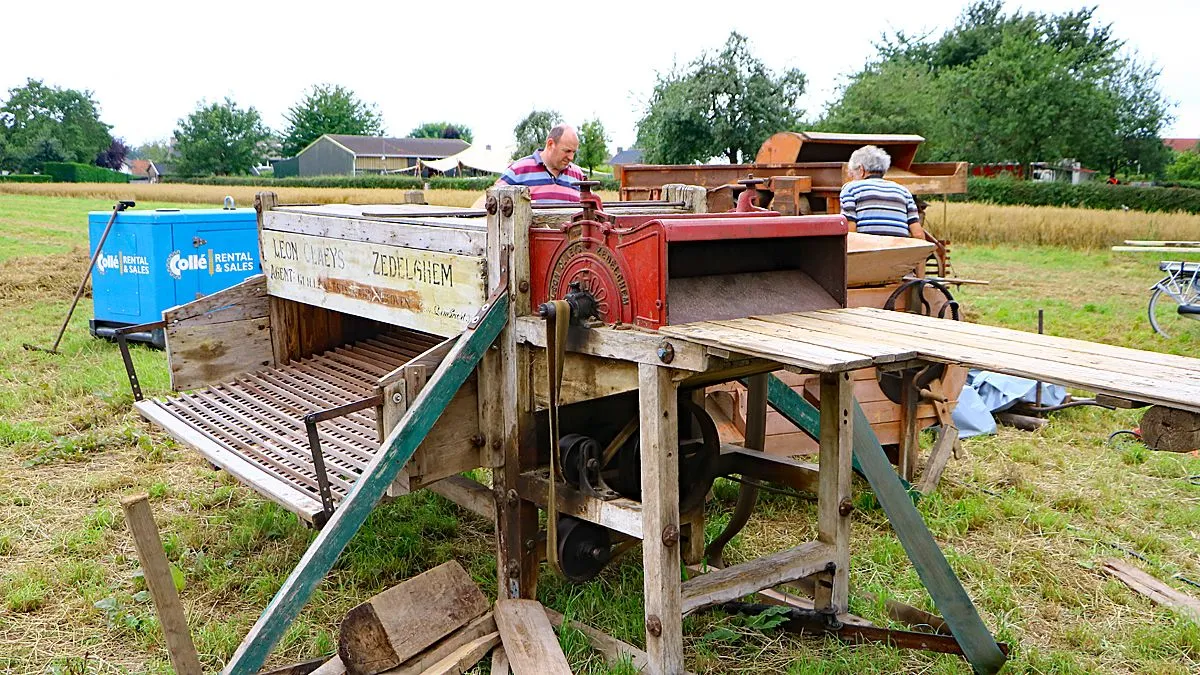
(471, 495)
(513, 442)
(162, 586)
(614, 650)
(738, 581)
(833, 490)
(621, 514)
(659, 408)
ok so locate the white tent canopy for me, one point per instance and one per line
(478, 156)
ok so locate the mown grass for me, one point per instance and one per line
(1024, 518)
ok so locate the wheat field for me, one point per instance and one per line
(961, 223)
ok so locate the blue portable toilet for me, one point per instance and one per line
(154, 260)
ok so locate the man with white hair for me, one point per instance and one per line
(874, 205)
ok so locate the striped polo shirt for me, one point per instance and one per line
(543, 185)
(879, 206)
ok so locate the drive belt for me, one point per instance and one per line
(556, 340)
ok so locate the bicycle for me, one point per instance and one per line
(1174, 308)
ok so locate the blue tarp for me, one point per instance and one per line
(987, 392)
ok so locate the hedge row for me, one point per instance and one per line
(1085, 195)
(70, 172)
(25, 178)
(375, 181)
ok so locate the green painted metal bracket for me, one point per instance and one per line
(371, 486)
(893, 494)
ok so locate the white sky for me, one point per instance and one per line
(486, 65)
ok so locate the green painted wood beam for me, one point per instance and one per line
(371, 486)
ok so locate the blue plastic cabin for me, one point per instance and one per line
(156, 259)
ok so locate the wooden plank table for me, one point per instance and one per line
(829, 340)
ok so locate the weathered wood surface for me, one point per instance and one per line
(636, 345)
(658, 404)
(443, 234)
(202, 354)
(246, 300)
(833, 489)
(1158, 592)
(422, 289)
(470, 495)
(478, 628)
(465, 657)
(584, 378)
(738, 581)
(873, 259)
(621, 514)
(404, 620)
(257, 477)
(529, 640)
(162, 586)
(826, 340)
(500, 665)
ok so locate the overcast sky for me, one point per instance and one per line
(486, 65)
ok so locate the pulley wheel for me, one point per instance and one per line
(698, 458)
(583, 548)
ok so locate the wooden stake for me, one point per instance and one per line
(162, 587)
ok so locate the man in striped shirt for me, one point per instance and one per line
(549, 173)
(875, 205)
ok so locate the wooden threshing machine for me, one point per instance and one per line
(569, 349)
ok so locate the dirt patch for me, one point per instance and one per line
(42, 276)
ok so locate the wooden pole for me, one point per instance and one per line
(162, 587)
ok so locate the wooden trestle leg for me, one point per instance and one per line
(833, 487)
(659, 408)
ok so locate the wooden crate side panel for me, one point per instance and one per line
(204, 354)
(425, 290)
(450, 448)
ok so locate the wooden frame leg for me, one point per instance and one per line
(833, 488)
(659, 408)
(906, 459)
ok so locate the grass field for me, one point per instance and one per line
(1024, 518)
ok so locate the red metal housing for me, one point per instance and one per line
(655, 270)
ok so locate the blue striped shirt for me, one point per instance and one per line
(879, 206)
(544, 186)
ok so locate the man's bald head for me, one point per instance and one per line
(561, 145)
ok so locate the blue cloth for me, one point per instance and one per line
(987, 392)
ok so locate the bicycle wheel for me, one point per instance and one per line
(1175, 310)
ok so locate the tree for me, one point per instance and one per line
(328, 109)
(443, 130)
(155, 151)
(723, 104)
(1021, 86)
(1185, 165)
(220, 138)
(532, 131)
(37, 118)
(114, 156)
(593, 145)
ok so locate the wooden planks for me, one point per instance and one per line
(820, 358)
(529, 640)
(1150, 587)
(846, 339)
(404, 620)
